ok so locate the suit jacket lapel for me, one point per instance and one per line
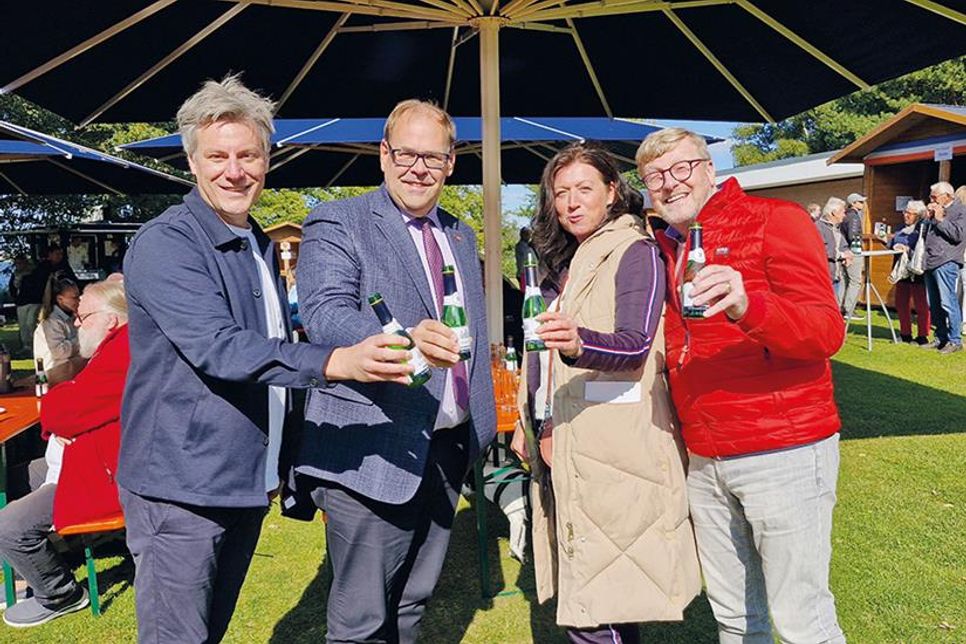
(390, 222)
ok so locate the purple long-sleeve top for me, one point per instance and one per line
(639, 290)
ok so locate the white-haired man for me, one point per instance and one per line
(81, 418)
(751, 382)
(945, 245)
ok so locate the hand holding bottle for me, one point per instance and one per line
(723, 289)
(437, 342)
(372, 360)
(559, 331)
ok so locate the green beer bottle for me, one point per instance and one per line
(454, 316)
(696, 262)
(421, 371)
(533, 305)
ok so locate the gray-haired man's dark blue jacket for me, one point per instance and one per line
(195, 411)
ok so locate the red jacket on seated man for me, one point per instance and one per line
(87, 410)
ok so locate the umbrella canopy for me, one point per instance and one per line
(700, 59)
(334, 151)
(741, 60)
(35, 163)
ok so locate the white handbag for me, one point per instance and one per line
(917, 265)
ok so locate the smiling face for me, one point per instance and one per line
(679, 202)
(910, 216)
(581, 199)
(229, 164)
(416, 189)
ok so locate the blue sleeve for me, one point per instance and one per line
(639, 289)
(167, 275)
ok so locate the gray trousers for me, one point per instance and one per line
(386, 559)
(853, 286)
(24, 526)
(27, 319)
(190, 563)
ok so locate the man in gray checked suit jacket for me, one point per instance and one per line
(385, 461)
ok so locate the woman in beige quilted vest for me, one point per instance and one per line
(611, 533)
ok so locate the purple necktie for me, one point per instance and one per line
(434, 257)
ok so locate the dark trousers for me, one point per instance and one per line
(190, 563)
(606, 634)
(916, 292)
(24, 527)
(386, 559)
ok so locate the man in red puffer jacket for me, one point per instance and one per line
(81, 419)
(752, 385)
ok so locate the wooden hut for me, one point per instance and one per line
(917, 147)
(287, 237)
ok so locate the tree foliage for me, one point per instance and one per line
(838, 123)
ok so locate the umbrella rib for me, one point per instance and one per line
(314, 128)
(449, 67)
(12, 183)
(365, 7)
(448, 7)
(802, 43)
(611, 8)
(341, 171)
(539, 26)
(294, 155)
(90, 43)
(213, 26)
(408, 25)
(314, 58)
(86, 177)
(590, 68)
(940, 9)
(548, 128)
(674, 18)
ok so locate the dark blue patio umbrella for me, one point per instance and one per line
(32, 162)
(339, 152)
(739, 60)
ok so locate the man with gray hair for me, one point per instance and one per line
(751, 380)
(836, 248)
(211, 359)
(945, 233)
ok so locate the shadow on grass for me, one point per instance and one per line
(306, 622)
(873, 405)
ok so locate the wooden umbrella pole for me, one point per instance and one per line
(492, 208)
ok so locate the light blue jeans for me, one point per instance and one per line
(763, 524)
(944, 308)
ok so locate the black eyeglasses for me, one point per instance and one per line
(407, 158)
(681, 171)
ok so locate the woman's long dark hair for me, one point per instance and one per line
(554, 245)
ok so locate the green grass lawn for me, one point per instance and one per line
(898, 569)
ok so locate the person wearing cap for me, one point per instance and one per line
(945, 245)
(852, 231)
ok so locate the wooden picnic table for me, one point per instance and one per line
(21, 411)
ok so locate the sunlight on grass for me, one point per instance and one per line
(898, 569)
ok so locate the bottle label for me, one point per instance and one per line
(696, 255)
(453, 299)
(464, 338)
(686, 297)
(418, 361)
(530, 326)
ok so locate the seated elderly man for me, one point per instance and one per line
(81, 418)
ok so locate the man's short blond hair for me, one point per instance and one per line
(225, 100)
(663, 141)
(414, 105)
